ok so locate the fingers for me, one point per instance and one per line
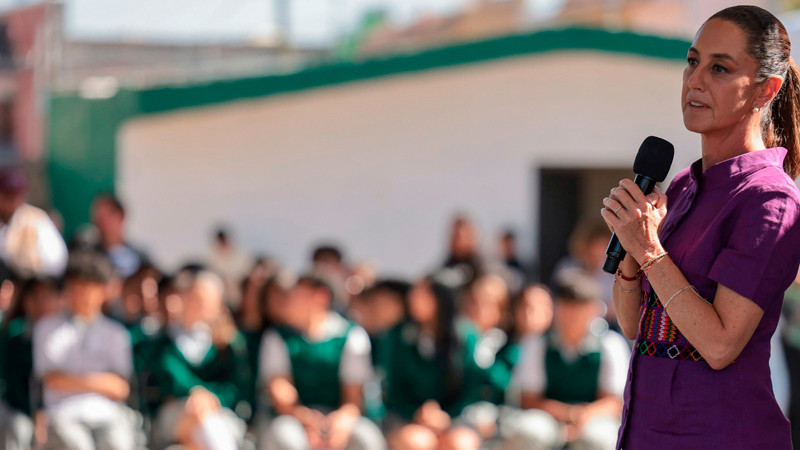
(612, 205)
(634, 190)
(611, 219)
(657, 198)
(623, 197)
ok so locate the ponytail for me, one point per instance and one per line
(783, 121)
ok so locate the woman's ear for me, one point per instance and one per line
(769, 89)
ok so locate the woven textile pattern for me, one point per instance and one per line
(658, 336)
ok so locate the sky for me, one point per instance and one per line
(313, 22)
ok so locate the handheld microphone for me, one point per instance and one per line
(651, 166)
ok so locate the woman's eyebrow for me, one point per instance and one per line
(714, 55)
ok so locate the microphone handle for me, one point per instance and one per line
(615, 253)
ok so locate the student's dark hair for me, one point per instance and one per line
(26, 288)
(327, 250)
(222, 235)
(90, 265)
(768, 44)
(447, 344)
(316, 282)
(576, 286)
(113, 201)
(398, 288)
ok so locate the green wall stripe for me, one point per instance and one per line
(83, 132)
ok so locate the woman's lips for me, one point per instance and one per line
(696, 105)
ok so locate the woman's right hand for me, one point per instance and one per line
(635, 218)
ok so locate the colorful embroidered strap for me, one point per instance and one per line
(659, 337)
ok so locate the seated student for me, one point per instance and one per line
(137, 310)
(379, 309)
(425, 374)
(201, 371)
(486, 327)
(572, 377)
(84, 362)
(38, 297)
(263, 294)
(314, 370)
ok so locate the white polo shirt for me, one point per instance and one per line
(67, 344)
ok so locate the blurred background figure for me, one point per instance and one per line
(108, 217)
(532, 311)
(509, 256)
(427, 386)
(30, 243)
(791, 346)
(203, 372)
(572, 377)
(20, 408)
(328, 262)
(587, 254)
(487, 321)
(379, 310)
(84, 362)
(231, 263)
(314, 371)
(463, 262)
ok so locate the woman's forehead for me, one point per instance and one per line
(719, 37)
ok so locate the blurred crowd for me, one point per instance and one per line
(103, 349)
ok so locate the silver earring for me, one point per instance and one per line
(756, 109)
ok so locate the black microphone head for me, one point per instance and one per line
(654, 158)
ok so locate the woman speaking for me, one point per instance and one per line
(708, 261)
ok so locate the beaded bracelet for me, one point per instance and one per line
(647, 264)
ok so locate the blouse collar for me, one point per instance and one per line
(735, 168)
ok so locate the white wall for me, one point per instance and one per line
(382, 165)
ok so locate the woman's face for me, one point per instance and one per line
(422, 303)
(488, 303)
(534, 313)
(719, 83)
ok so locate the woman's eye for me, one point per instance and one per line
(691, 61)
(719, 69)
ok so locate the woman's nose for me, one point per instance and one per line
(695, 80)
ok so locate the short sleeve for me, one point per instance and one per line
(529, 373)
(615, 355)
(356, 364)
(50, 346)
(122, 359)
(761, 248)
(273, 359)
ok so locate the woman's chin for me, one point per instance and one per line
(694, 126)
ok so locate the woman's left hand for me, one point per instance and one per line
(635, 218)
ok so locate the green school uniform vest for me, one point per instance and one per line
(413, 377)
(225, 372)
(488, 366)
(571, 381)
(18, 372)
(315, 366)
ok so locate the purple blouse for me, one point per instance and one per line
(737, 224)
